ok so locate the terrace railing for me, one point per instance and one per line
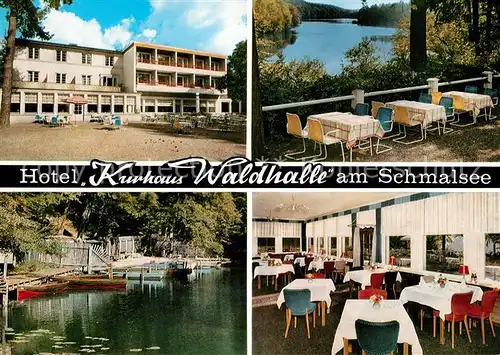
(358, 95)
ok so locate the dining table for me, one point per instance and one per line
(275, 271)
(429, 112)
(363, 277)
(474, 102)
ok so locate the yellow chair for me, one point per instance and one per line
(375, 107)
(316, 134)
(294, 127)
(402, 116)
(436, 96)
(461, 107)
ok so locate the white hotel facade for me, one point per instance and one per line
(143, 78)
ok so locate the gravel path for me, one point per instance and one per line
(134, 142)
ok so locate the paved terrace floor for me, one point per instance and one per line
(479, 142)
(136, 141)
(268, 329)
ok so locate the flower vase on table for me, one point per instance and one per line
(309, 277)
(376, 301)
(442, 281)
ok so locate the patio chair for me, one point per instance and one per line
(362, 109)
(436, 96)
(367, 293)
(447, 102)
(316, 134)
(328, 268)
(493, 93)
(376, 280)
(484, 310)
(384, 116)
(460, 108)
(375, 107)
(340, 268)
(38, 119)
(403, 115)
(376, 338)
(298, 303)
(54, 121)
(294, 128)
(472, 89)
(117, 123)
(460, 306)
(425, 98)
(390, 282)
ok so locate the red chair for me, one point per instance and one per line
(328, 267)
(288, 262)
(367, 293)
(460, 306)
(318, 276)
(376, 280)
(484, 310)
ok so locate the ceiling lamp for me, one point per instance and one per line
(291, 207)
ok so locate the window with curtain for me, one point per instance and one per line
(366, 235)
(492, 251)
(348, 247)
(333, 246)
(399, 247)
(311, 244)
(291, 245)
(444, 253)
(266, 245)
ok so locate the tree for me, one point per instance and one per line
(258, 148)
(24, 17)
(418, 35)
(235, 81)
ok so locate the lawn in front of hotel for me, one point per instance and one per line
(135, 141)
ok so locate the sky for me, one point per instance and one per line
(353, 4)
(209, 25)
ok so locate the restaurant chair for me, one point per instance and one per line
(375, 107)
(460, 108)
(425, 98)
(340, 266)
(390, 282)
(308, 261)
(401, 114)
(362, 109)
(436, 96)
(117, 123)
(376, 338)
(368, 292)
(38, 119)
(318, 275)
(376, 280)
(294, 128)
(385, 117)
(316, 134)
(298, 303)
(471, 89)
(484, 310)
(447, 103)
(493, 93)
(329, 268)
(54, 121)
(460, 306)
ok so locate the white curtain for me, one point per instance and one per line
(276, 229)
(356, 249)
(374, 246)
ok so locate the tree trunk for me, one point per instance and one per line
(418, 35)
(489, 14)
(8, 70)
(258, 148)
(475, 26)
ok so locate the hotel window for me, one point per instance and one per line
(182, 62)
(291, 245)
(164, 79)
(144, 78)
(60, 56)
(86, 79)
(211, 106)
(110, 61)
(119, 104)
(60, 78)
(33, 53)
(333, 246)
(86, 58)
(400, 248)
(492, 265)
(266, 245)
(15, 103)
(144, 57)
(33, 76)
(47, 102)
(444, 253)
(106, 104)
(200, 64)
(92, 103)
(31, 102)
(348, 247)
(149, 105)
(109, 81)
(164, 105)
(200, 82)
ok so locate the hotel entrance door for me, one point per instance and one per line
(78, 113)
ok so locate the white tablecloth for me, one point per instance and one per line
(288, 257)
(363, 309)
(430, 113)
(273, 270)
(301, 261)
(475, 102)
(363, 276)
(438, 298)
(316, 265)
(320, 290)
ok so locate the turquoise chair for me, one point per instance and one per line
(384, 116)
(447, 102)
(54, 121)
(493, 93)
(117, 123)
(471, 89)
(425, 98)
(362, 109)
(376, 338)
(298, 303)
(38, 119)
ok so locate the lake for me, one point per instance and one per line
(328, 41)
(204, 314)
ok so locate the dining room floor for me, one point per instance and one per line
(268, 328)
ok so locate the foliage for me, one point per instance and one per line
(315, 11)
(274, 15)
(29, 266)
(235, 81)
(388, 15)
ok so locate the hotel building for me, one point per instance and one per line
(143, 78)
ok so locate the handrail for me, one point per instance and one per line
(395, 91)
(308, 103)
(462, 81)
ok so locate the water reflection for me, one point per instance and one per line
(205, 311)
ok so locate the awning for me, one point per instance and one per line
(78, 100)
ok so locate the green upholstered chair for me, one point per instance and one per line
(377, 338)
(425, 98)
(362, 109)
(472, 89)
(298, 303)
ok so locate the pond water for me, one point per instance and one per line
(204, 314)
(328, 41)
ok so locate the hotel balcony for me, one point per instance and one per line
(159, 86)
(67, 86)
(183, 67)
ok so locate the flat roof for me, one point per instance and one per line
(47, 44)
